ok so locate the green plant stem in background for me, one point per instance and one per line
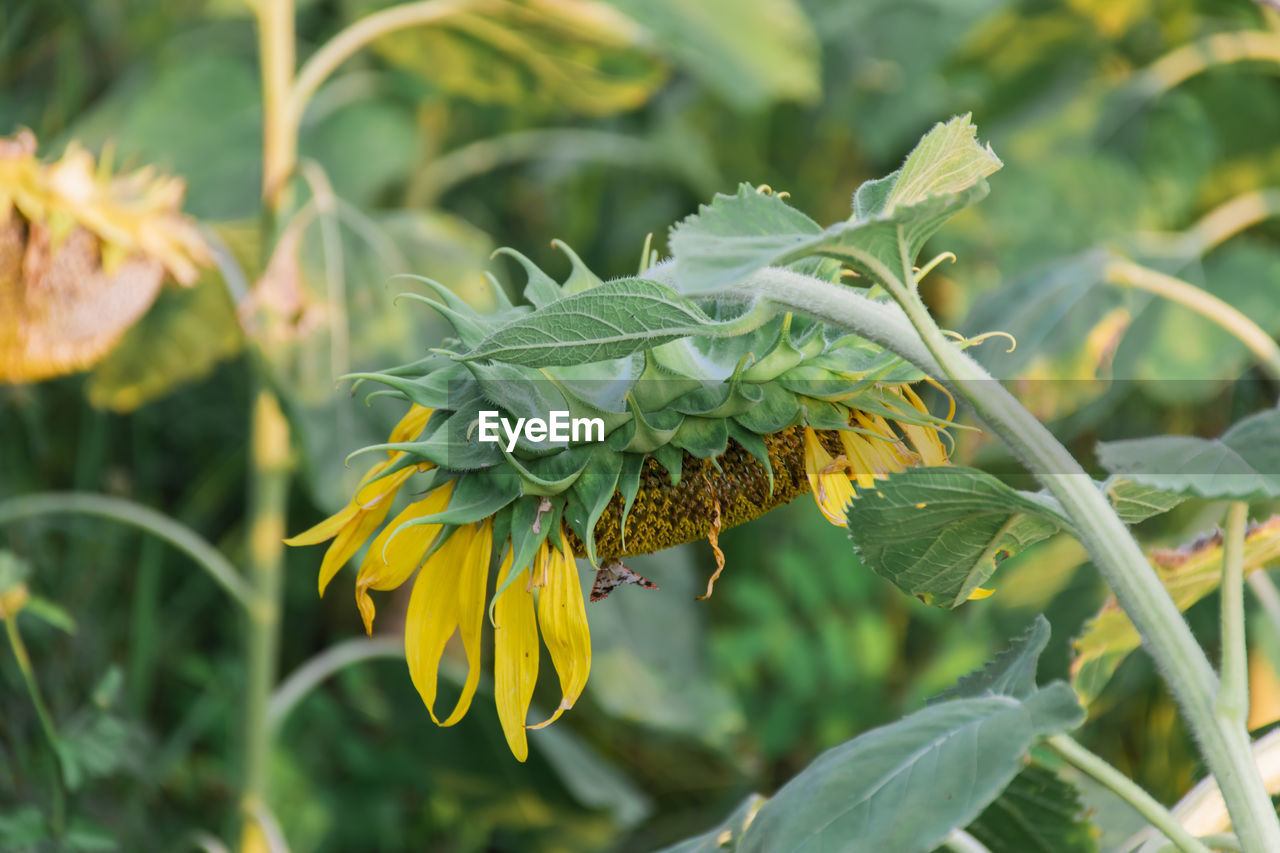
(960, 841)
(179, 535)
(268, 494)
(1264, 589)
(1126, 789)
(1229, 219)
(1179, 65)
(46, 719)
(322, 666)
(1263, 347)
(1113, 549)
(349, 41)
(1233, 695)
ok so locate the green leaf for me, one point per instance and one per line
(905, 786)
(1134, 502)
(939, 533)
(750, 53)
(582, 56)
(180, 339)
(736, 235)
(1012, 672)
(1038, 813)
(1243, 464)
(610, 321)
(1189, 573)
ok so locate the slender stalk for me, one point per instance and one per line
(1217, 841)
(1126, 789)
(1190, 59)
(345, 44)
(1202, 810)
(1110, 544)
(178, 535)
(1233, 695)
(268, 492)
(1261, 344)
(960, 841)
(1264, 589)
(42, 713)
(270, 458)
(1230, 218)
(324, 665)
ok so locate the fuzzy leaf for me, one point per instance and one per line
(1038, 813)
(938, 768)
(940, 532)
(724, 836)
(1243, 464)
(610, 321)
(1012, 672)
(1189, 573)
(737, 235)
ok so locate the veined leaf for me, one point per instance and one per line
(940, 532)
(1243, 464)
(1039, 812)
(1012, 672)
(938, 768)
(1134, 502)
(736, 235)
(612, 320)
(1189, 573)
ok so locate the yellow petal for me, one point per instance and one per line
(563, 618)
(373, 502)
(325, 530)
(980, 593)
(473, 577)
(515, 660)
(832, 491)
(855, 450)
(433, 614)
(410, 425)
(390, 561)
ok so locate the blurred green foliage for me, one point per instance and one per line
(692, 705)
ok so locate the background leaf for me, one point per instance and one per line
(1243, 464)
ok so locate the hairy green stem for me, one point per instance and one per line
(1113, 549)
(1126, 789)
(1233, 694)
(179, 535)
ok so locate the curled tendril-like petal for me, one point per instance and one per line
(929, 267)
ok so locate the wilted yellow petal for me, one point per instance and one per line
(433, 614)
(980, 593)
(515, 660)
(563, 619)
(832, 490)
(372, 503)
(390, 561)
(327, 529)
(473, 576)
(863, 469)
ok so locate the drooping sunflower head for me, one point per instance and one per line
(83, 253)
(533, 455)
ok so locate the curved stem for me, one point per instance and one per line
(1182, 63)
(1233, 695)
(1113, 549)
(176, 534)
(1230, 218)
(317, 669)
(1126, 789)
(1261, 344)
(42, 713)
(345, 44)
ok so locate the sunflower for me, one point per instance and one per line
(699, 435)
(83, 253)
